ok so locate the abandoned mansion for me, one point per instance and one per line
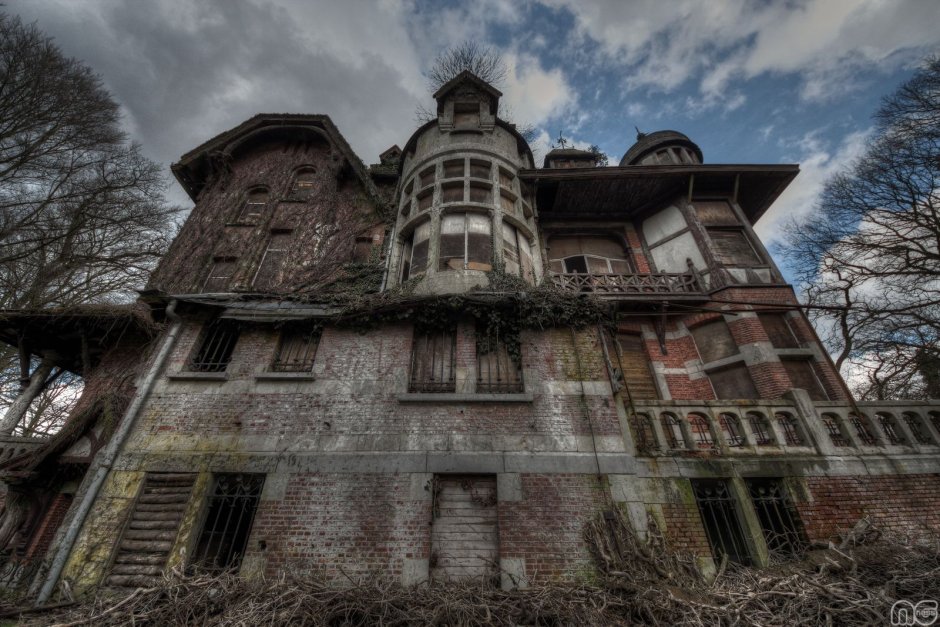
(444, 365)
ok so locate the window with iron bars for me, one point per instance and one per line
(297, 348)
(701, 431)
(791, 431)
(890, 429)
(778, 519)
(862, 431)
(229, 515)
(719, 514)
(214, 350)
(731, 429)
(918, 430)
(835, 430)
(761, 429)
(498, 367)
(433, 361)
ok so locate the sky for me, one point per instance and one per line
(749, 81)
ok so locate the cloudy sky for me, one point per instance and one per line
(749, 81)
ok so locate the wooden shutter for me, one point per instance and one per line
(151, 530)
(635, 366)
(464, 536)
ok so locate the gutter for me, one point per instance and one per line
(105, 459)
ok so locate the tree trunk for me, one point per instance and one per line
(19, 407)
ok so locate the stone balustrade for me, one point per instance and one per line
(795, 425)
(13, 446)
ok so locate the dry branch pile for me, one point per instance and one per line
(852, 583)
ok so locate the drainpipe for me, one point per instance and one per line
(106, 458)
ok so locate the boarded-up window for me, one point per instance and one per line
(425, 200)
(479, 169)
(507, 201)
(480, 193)
(713, 340)
(151, 530)
(415, 252)
(803, 375)
(629, 357)
(466, 242)
(464, 531)
(467, 114)
(253, 207)
(499, 370)
(733, 382)
(229, 515)
(778, 330)
(220, 274)
(715, 213)
(427, 176)
(297, 348)
(506, 178)
(452, 192)
(434, 361)
(517, 253)
(732, 247)
(304, 183)
(453, 169)
(273, 260)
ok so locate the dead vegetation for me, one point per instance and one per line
(851, 582)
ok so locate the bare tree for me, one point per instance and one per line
(82, 212)
(484, 61)
(872, 247)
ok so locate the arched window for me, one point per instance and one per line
(253, 206)
(305, 180)
(466, 242)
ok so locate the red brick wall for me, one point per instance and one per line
(547, 527)
(903, 503)
(684, 529)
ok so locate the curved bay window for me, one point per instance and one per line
(414, 254)
(588, 254)
(466, 242)
(517, 253)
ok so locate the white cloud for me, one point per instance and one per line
(817, 164)
(534, 94)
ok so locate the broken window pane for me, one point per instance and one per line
(466, 242)
(415, 252)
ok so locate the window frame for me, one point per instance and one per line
(253, 217)
(309, 333)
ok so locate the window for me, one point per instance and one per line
(214, 350)
(628, 355)
(588, 254)
(506, 178)
(220, 274)
(296, 348)
(426, 199)
(414, 256)
(720, 518)
(733, 382)
(480, 192)
(466, 242)
(273, 260)
(834, 430)
(918, 429)
(305, 181)
(517, 254)
(434, 362)
(498, 367)
(802, 375)
(427, 176)
(731, 430)
(253, 207)
(643, 433)
(763, 432)
(467, 114)
(454, 169)
(479, 169)
(701, 433)
(233, 502)
(714, 341)
(507, 200)
(452, 192)
(791, 430)
(732, 247)
(778, 330)
(892, 431)
(672, 429)
(778, 518)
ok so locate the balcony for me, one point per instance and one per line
(633, 284)
(14, 446)
(780, 427)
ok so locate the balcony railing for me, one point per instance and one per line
(14, 446)
(658, 284)
(706, 428)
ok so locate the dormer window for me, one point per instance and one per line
(253, 207)
(467, 114)
(304, 182)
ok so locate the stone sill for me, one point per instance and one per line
(448, 397)
(217, 377)
(284, 376)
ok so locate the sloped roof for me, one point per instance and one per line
(467, 77)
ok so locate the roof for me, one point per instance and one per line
(467, 77)
(636, 190)
(569, 153)
(521, 143)
(193, 169)
(649, 142)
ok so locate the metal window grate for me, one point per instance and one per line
(917, 429)
(778, 518)
(834, 430)
(731, 430)
(791, 432)
(761, 430)
(643, 429)
(889, 429)
(434, 362)
(673, 432)
(720, 517)
(498, 371)
(701, 432)
(297, 349)
(215, 349)
(230, 513)
(861, 429)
